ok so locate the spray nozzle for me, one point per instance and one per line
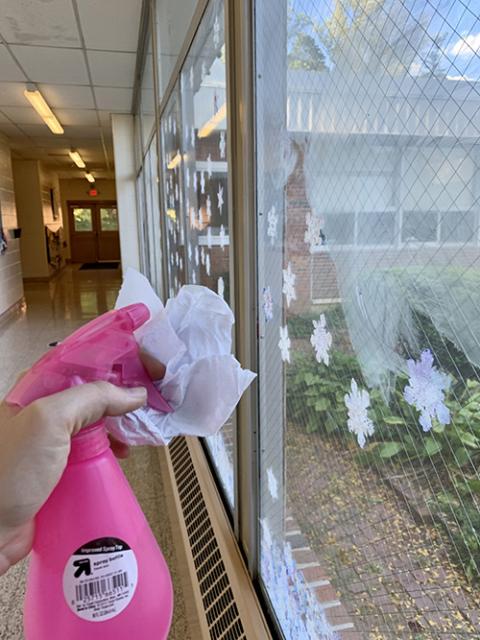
(103, 349)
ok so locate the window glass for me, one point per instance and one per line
(173, 19)
(369, 333)
(82, 219)
(204, 139)
(108, 219)
(147, 97)
(172, 161)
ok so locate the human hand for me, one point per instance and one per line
(34, 448)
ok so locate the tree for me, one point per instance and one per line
(304, 51)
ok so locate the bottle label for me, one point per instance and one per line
(100, 579)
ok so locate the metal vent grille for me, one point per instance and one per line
(221, 611)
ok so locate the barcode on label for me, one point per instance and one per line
(97, 588)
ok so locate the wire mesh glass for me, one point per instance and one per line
(369, 273)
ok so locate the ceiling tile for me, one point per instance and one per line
(77, 116)
(82, 132)
(52, 64)
(112, 69)
(106, 27)
(48, 23)
(105, 118)
(11, 94)
(10, 130)
(114, 99)
(66, 96)
(9, 70)
(22, 115)
(36, 130)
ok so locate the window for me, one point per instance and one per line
(108, 219)
(369, 271)
(82, 219)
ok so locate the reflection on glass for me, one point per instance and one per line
(108, 219)
(204, 164)
(173, 209)
(369, 273)
(82, 219)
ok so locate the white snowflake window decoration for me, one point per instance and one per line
(357, 403)
(222, 237)
(195, 181)
(177, 195)
(321, 340)
(267, 303)
(222, 145)
(180, 263)
(202, 181)
(194, 277)
(197, 256)
(220, 198)
(272, 218)
(209, 237)
(209, 165)
(170, 180)
(221, 287)
(189, 252)
(300, 614)
(187, 177)
(192, 217)
(284, 344)
(200, 218)
(289, 284)
(207, 264)
(426, 390)
(174, 126)
(272, 483)
(313, 234)
(202, 255)
(208, 205)
(177, 258)
(192, 137)
(216, 32)
(191, 77)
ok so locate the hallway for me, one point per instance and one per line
(53, 310)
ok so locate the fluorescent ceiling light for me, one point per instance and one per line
(175, 161)
(41, 107)
(89, 176)
(77, 158)
(213, 123)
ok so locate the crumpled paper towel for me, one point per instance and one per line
(192, 336)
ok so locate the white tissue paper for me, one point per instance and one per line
(203, 382)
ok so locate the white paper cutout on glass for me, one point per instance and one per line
(284, 344)
(321, 340)
(357, 403)
(289, 284)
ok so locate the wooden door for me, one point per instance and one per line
(94, 233)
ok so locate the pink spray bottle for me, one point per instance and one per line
(96, 571)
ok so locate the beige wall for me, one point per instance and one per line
(77, 189)
(11, 287)
(26, 177)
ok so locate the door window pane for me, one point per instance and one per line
(108, 219)
(82, 219)
(204, 139)
(369, 333)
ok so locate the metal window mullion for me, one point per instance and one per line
(160, 174)
(242, 231)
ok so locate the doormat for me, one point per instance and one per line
(99, 265)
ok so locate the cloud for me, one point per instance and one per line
(468, 46)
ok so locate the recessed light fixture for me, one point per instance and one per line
(89, 176)
(77, 158)
(40, 105)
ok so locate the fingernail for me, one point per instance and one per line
(137, 393)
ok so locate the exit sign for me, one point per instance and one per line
(93, 192)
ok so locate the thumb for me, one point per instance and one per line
(85, 404)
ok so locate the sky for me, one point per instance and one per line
(453, 22)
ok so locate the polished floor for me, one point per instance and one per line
(53, 311)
